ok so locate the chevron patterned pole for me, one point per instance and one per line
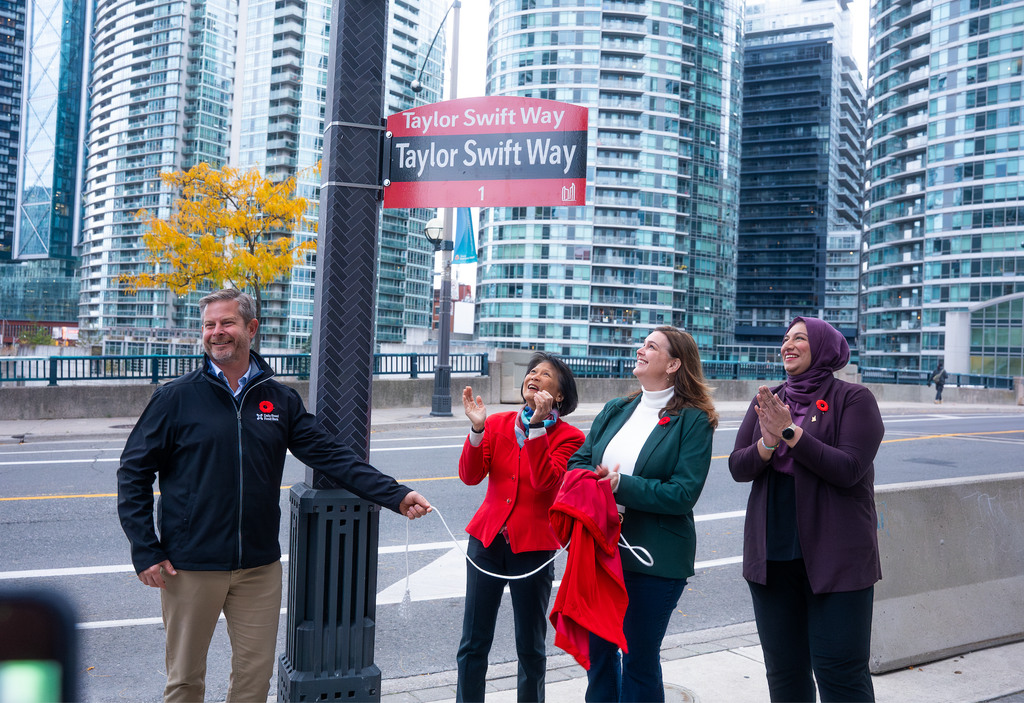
(332, 573)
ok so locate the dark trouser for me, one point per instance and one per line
(636, 676)
(800, 632)
(938, 391)
(529, 611)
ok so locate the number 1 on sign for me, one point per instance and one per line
(481, 192)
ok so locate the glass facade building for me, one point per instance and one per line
(946, 197)
(12, 69)
(41, 128)
(161, 86)
(280, 106)
(655, 244)
(802, 171)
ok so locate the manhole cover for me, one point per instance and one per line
(678, 694)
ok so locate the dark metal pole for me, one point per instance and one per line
(441, 402)
(332, 575)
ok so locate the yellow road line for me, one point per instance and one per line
(114, 495)
(451, 478)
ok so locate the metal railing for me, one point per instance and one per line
(156, 368)
(604, 367)
(920, 378)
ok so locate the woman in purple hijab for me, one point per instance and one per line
(810, 550)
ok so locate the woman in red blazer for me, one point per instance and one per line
(523, 455)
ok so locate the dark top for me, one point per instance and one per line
(833, 489)
(219, 460)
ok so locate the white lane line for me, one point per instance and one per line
(419, 439)
(444, 578)
(60, 451)
(112, 460)
(720, 516)
(417, 449)
(129, 569)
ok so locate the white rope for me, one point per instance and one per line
(485, 571)
(641, 554)
(646, 560)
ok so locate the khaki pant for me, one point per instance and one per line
(192, 603)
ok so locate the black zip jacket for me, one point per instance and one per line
(219, 461)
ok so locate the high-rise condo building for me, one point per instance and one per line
(42, 88)
(280, 106)
(945, 268)
(161, 87)
(802, 173)
(655, 244)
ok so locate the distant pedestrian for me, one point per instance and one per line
(810, 543)
(938, 377)
(523, 455)
(216, 439)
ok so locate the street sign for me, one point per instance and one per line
(480, 152)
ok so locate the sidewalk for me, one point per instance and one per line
(724, 665)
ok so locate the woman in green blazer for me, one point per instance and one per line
(654, 448)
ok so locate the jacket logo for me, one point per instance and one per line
(267, 412)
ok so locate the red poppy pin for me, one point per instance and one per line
(266, 406)
(822, 406)
(665, 420)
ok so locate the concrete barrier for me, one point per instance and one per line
(952, 569)
(127, 399)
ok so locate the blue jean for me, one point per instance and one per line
(801, 632)
(636, 675)
(529, 611)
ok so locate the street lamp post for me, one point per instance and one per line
(437, 233)
(440, 235)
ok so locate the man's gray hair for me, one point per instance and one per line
(246, 305)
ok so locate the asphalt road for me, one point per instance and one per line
(59, 530)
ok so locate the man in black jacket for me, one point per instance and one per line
(217, 438)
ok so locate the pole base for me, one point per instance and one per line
(306, 686)
(441, 401)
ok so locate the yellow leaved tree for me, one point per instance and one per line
(227, 229)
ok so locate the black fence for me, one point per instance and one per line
(921, 378)
(156, 368)
(603, 367)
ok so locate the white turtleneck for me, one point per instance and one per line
(624, 448)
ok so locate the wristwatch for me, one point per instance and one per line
(789, 432)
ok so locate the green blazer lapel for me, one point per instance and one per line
(658, 435)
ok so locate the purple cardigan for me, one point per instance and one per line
(835, 494)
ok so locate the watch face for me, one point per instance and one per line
(788, 433)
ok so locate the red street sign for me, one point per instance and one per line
(494, 151)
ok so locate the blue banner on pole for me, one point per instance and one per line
(465, 242)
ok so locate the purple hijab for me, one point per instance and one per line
(829, 353)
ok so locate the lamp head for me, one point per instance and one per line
(434, 231)
(416, 85)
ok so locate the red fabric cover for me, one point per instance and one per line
(592, 597)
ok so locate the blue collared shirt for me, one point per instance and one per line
(253, 372)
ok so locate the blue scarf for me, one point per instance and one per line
(523, 421)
